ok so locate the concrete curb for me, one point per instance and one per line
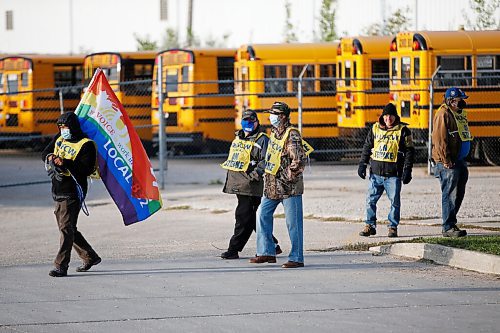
(443, 255)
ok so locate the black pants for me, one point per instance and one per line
(246, 215)
(67, 216)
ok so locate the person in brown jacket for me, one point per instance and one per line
(285, 162)
(451, 141)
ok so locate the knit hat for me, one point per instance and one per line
(390, 109)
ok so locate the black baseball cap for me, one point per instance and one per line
(280, 108)
(250, 115)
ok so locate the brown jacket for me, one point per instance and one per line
(445, 139)
(288, 181)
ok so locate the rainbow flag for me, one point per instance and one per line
(124, 166)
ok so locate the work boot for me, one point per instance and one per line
(368, 230)
(58, 272)
(292, 264)
(393, 232)
(230, 255)
(263, 259)
(87, 265)
(454, 232)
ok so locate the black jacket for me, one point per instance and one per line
(240, 182)
(82, 167)
(406, 153)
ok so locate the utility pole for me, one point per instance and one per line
(71, 26)
(190, 23)
(416, 15)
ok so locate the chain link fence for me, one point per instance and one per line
(201, 117)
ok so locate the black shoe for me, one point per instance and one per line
(368, 230)
(87, 265)
(58, 272)
(230, 255)
(278, 249)
(454, 232)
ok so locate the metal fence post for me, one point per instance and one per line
(61, 101)
(431, 109)
(161, 131)
(299, 97)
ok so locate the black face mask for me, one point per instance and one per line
(461, 104)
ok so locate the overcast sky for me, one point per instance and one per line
(61, 26)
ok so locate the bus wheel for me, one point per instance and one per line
(491, 150)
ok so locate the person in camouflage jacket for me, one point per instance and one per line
(285, 162)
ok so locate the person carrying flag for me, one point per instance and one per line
(245, 169)
(70, 158)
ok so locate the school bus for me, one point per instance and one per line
(466, 59)
(130, 75)
(265, 73)
(362, 85)
(198, 99)
(30, 101)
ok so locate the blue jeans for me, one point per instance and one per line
(392, 186)
(294, 222)
(453, 183)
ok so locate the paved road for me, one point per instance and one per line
(165, 274)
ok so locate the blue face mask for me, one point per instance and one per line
(247, 125)
(275, 120)
(65, 133)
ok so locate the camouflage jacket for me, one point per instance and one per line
(288, 181)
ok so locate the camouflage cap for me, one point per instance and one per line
(280, 108)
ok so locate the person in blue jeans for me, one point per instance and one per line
(451, 142)
(389, 150)
(284, 164)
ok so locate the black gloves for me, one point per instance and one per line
(362, 170)
(254, 176)
(406, 177)
(55, 171)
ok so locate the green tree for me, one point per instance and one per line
(145, 43)
(215, 42)
(289, 31)
(398, 21)
(170, 39)
(484, 12)
(327, 21)
(192, 39)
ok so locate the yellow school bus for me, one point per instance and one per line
(198, 99)
(29, 102)
(265, 73)
(130, 75)
(466, 59)
(363, 83)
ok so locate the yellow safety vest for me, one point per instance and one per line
(239, 154)
(69, 150)
(463, 125)
(275, 150)
(386, 143)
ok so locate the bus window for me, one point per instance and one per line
(1, 82)
(380, 74)
(405, 70)
(340, 74)
(24, 79)
(416, 69)
(12, 83)
(244, 78)
(394, 70)
(185, 78)
(172, 80)
(454, 71)
(354, 72)
(327, 78)
(308, 78)
(274, 72)
(111, 73)
(225, 72)
(347, 73)
(488, 70)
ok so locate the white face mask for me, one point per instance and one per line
(65, 133)
(274, 119)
